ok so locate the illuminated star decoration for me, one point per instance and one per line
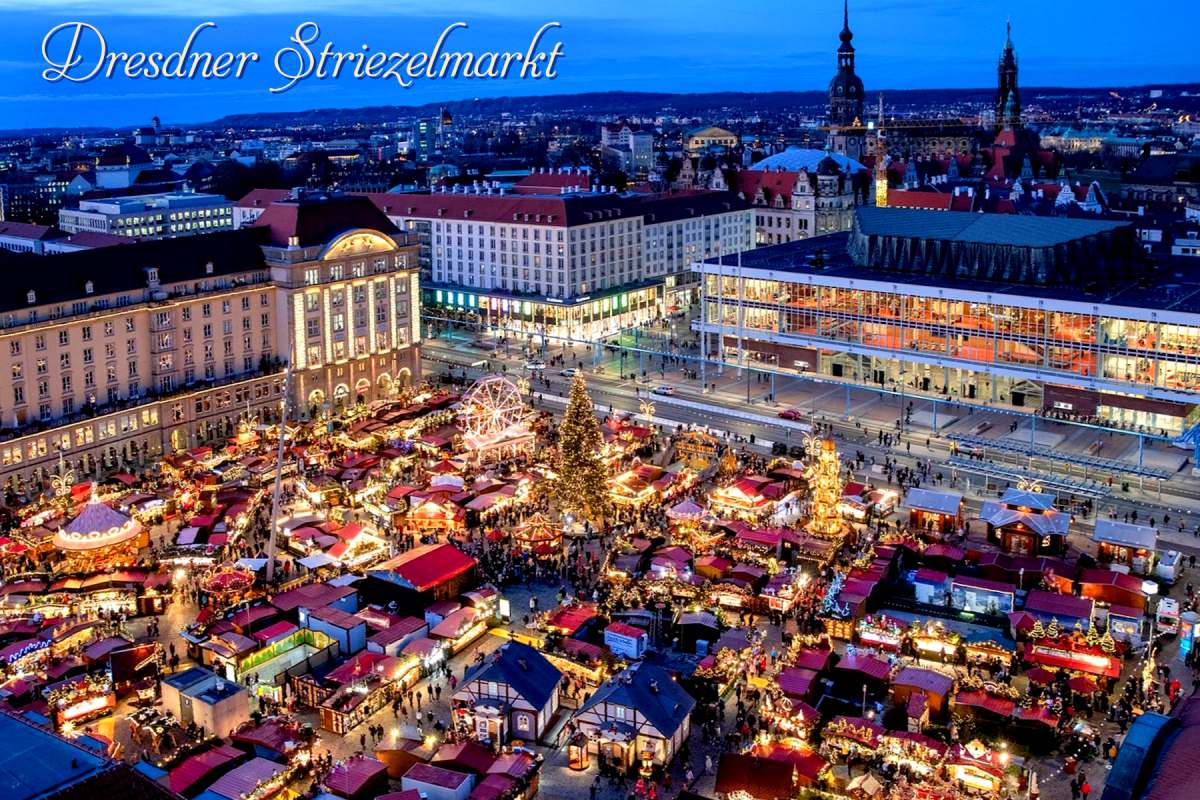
(64, 480)
(646, 409)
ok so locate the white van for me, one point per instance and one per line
(1169, 566)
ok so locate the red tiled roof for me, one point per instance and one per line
(337, 618)
(764, 778)
(274, 631)
(467, 755)
(492, 787)
(795, 682)
(814, 658)
(27, 230)
(622, 629)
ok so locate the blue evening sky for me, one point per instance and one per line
(654, 45)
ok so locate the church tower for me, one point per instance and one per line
(1008, 96)
(846, 88)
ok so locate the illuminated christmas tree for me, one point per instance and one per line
(1106, 641)
(581, 487)
(825, 484)
(1038, 632)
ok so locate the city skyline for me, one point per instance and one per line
(661, 49)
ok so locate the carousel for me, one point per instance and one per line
(99, 538)
(227, 585)
(538, 535)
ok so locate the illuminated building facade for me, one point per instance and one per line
(117, 355)
(1032, 313)
(584, 264)
(348, 299)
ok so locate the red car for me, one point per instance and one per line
(793, 414)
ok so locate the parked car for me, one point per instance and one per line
(534, 364)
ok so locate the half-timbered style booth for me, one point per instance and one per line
(639, 715)
(1024, 521)
(513, 694)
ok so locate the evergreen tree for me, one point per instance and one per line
(582, 485)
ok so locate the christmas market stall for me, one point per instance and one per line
(1024, 521)
(1108, 587)
(366, 683)
(935, 512)
(81, 699)
(750, 498)
(934, 640)
(881, 632)
(934, 686)
(851, 736)
(921, 755)
(1126, 544)
(977, 768)
(1066, 609)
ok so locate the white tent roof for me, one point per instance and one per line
(1125, 534)
(317, 560)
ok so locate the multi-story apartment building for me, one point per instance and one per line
(1044, 314)
(115, 355)
(150, 216)
(584, 262)
(633, 148)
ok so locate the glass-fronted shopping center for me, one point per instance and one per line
(911, 298)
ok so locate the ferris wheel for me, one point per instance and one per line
(492, 406)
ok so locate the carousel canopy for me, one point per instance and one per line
(687, 509)
(98, 525)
